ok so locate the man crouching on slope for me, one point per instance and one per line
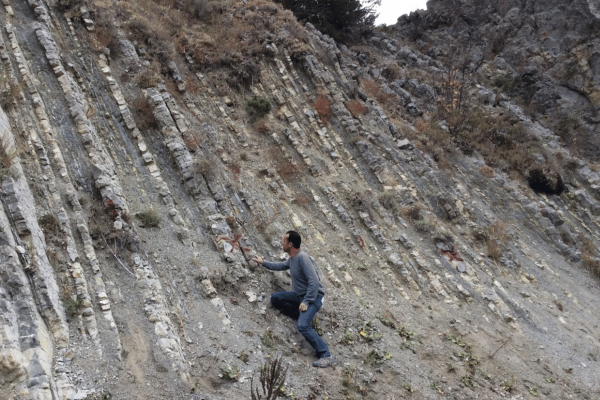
(307, 297)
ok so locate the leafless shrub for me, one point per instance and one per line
(206, 167)
(262, 126)
(425, 225)
(272, 378)
(120, 240)
(392, 72)
(302, 200)
(413, 212)
(49, 224)
(144, 117)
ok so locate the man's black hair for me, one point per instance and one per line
(294, 238)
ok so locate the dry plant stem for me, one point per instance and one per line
(115, 255)
(498, 349)
(272, 378)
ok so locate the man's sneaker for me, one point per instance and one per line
(325, 362)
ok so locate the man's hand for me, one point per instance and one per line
(258, 259)
(303, 307)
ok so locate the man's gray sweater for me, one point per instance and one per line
(305, 277)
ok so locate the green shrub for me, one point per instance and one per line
(73, 306)
(343, 20)
(388, 201)
(149, 218)
(257, 107)
(229, 372)
(268, 339)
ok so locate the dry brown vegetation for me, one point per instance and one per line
(589, 254)
(356, 107)
(288, 171)
(413, 212)
(148, 79)
(323, 107)
(144, 117)
(192, 141)
(375, 91)
(262, 126)
(487, 171)
(193, 28)
(392, 72)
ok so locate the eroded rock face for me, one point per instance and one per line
(548, 53)
(131, 215)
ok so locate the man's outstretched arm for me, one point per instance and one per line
(272, 265)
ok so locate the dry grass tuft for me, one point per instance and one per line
(148, 79)
(496, 238)
(487, 171)
(149, 218)
(589, 254)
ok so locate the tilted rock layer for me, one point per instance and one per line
(442, 281)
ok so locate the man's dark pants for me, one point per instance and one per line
(288, 303)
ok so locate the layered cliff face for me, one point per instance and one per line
(545, 53)
(136, 188)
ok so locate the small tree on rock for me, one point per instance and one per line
(343, 20)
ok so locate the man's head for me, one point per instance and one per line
(291, 240)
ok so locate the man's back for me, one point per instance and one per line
(305, 277)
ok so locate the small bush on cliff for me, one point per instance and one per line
(258, 107)
(148, 79)
(7, 157)
(149, 218)
(8, 97)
